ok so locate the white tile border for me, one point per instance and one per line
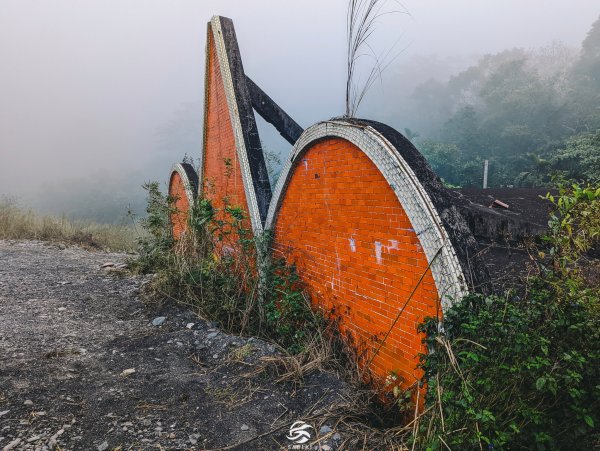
(190, 192)
(240, 144)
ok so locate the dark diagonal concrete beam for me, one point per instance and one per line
(273, 113)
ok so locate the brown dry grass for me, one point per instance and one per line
(17, 223)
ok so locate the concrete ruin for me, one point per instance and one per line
(378, 241)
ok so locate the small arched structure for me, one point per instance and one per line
(183, 188)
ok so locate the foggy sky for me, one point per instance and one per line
(86, 85)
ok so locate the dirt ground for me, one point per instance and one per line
(71, 334)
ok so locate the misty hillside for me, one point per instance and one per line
(115, 109)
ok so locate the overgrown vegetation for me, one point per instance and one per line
(17, 223)
(223, 273)
(214, 268)
(522, 371)
(513, 371)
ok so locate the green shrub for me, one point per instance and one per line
(219, 268)
(522, 371)
(155, 244)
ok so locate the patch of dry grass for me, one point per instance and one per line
(17, 223)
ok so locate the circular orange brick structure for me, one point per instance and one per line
(367, 240)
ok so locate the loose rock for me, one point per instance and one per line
(324, 429)
(128, 372)
(159, 321)
(11, 445)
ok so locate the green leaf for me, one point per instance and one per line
(540, 383)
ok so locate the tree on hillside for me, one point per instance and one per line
(586, 82)
(530, 113)
(580, 159)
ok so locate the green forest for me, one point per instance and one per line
(534, 114)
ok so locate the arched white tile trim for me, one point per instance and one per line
(446, 270)
(236, 124)
(189, 180)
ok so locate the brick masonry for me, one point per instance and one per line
(353, 217)
(356, 250)
(222, 176)
(225, 74)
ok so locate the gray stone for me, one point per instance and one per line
(337, 436)
(12, 445)
(244, 427)
(325, 429)
(159, 320)
(103, 446)
(128, 372)
(212, 335)
(28, 402)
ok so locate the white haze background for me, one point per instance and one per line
(98, 96)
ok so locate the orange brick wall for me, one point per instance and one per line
(181, 206)
(222, 179)
(341, 224)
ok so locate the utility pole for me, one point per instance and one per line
(485, 174)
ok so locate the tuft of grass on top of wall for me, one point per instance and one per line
(17, 223)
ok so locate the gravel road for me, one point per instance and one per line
(82, 367)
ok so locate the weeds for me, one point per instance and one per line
(503, 372)
(522, 372)
(242, 352)
(214, 268)
(17, 223)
